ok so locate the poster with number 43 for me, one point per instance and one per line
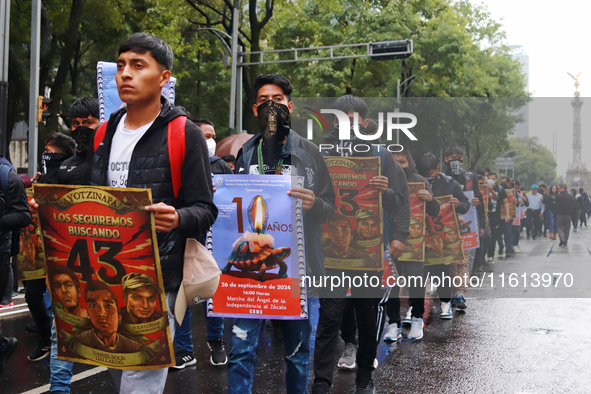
(258, 243)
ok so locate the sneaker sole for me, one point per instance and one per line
(388, 339)
(218, 364)
(187, 364)
(417, 339)
(461, 305)
(345, 366)
(446, 317)
(39, 358)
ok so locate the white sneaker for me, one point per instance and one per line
(393, 333)
(375, 363)
(516, 249)
(347, 360)
(407, 318)
(416, 329)
(446, 312)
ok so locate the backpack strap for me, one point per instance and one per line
(176, 151)
(100, 134)
(4, 171)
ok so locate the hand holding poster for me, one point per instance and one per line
(31, 255)
(353, 237)
(469, 229)
(258, 243)
(414, 249)
(443, 235)
(104, 276)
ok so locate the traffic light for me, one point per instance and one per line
(43, 114)
(397, 49)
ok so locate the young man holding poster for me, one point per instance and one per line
(282, 151)
(134, 153)
(335, 310)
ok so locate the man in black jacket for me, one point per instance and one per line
(58, 148)
(16, 216)
(442, 185)
(84, 119)
(134, 153)
(282, 151)
(393, 187)
(564, 208)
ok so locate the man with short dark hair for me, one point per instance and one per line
(58, 147)
(66, 289)
(497, 200)
(282, 151)
(134, 153)
(218, 165)
(565, 205)
(84, 119)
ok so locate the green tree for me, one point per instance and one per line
(534, 163)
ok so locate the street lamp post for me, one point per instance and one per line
(398, 102)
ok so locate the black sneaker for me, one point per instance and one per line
(31, 329)
(6, 351)
(183, 359)
(40, 352)
(367, 388)
(218, 352)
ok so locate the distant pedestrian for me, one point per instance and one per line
(565, 205)
(536, 208)
(583, 201)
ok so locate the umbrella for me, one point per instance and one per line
(232, 144)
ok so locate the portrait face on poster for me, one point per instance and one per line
(443, 235)
(258, 243)
(104, 276)
(31, 256)
(414, 249)
(353, 236)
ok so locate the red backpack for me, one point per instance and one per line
(176, 148)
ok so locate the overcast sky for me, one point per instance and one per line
(555, 37)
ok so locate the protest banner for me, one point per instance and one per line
(469, 228)
(108, 94)
(258, 243)
(353, 237)
(414, 249)
(31, 256)
(512, 207)
(104, 276)
(484, 192)
(443, 235)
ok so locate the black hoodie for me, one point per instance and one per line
(431, 207)
(149, 168)
(469, 181)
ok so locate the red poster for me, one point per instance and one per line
(353, 237)
(31, 255)
(104, 275)
(443, 235)
(414, 249)
(512, 205)
(484, 192)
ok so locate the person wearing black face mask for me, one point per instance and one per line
(454, 159)
(277, 149)
(85, 118)
(58, 147)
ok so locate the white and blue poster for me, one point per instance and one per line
(469, 229)
(108, 95)
(258, 243)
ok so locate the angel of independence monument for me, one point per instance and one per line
(577, 174)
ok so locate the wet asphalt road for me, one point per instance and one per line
(500, 345)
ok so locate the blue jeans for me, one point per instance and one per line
(60, 370)
(183, 338)
(243, 356)
(551, 221)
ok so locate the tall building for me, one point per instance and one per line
(521, 129)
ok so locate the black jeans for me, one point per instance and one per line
(34, 297)
(416, 293)
(496, 232)
(535, 223)
(329, 323)
(516, 234)
(5, 271)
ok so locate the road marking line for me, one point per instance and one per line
(75, 378)
(14, 312)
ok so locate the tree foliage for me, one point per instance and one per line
(534, 163)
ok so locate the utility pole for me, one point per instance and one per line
(34, 86)
(4, 46)
(234, 43)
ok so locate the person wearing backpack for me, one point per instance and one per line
(151, 145)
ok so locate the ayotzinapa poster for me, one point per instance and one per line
(104, 276)
(258, 243)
